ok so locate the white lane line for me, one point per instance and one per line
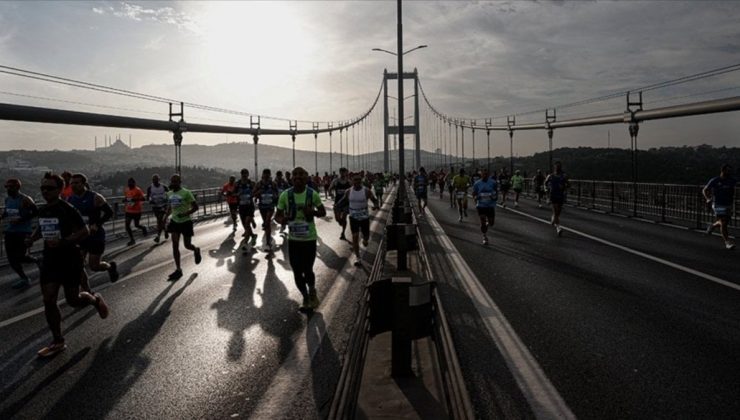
(543, 398)
(680, 267)
(289, 379)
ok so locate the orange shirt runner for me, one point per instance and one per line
(228, 191)
(134, 199)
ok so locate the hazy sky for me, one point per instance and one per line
(313, 61)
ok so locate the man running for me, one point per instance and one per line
(299, 206)
(180, 205)
(67, 190)
(134, 199)
(461, 182)
(720, 192)
(485, 196)
(359, 218)
(340, 186)
(245, 189)
(19, 212)
(441, 180)
(267, 194)
(95, 211)
(450, 187)
(421, 182)
(62, 229)
(156, 195)
(504, 183)
(228, 190)
(557, 185)
(539, 187)
(379, 186)
(282, 185)
(517, 183)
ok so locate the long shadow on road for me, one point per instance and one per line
(118, 365)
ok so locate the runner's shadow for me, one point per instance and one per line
(119, 364)
(329, 256)
(325, 364)
(278, 314)
(236, 312)
(225, 250)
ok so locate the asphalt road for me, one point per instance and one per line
(225, 341)
(637, 321)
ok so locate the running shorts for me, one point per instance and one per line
(93, 246)
(360, 225)
(136, 217)
(62, 266)
(183, 228)
(487, 211)
(246, 211)
(721, 211)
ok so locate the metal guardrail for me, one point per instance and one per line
(344, 403)
(660, 202)
(210, 203)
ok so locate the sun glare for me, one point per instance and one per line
(251, 46)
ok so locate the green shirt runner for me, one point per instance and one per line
(180, 202)
(299, 229)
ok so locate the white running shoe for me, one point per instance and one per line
(485, 240)
(710, 228)
(559, 230)
(460, 219)
(516, 204)
(729, 245)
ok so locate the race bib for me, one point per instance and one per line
(420, 190)
(50, 229)
(12, 215)
(86, 220)
(721, 210)
(484, 197)
(298, 229)
(245, 199)
(460, 194)
(175, 201)
(358, 214)
(157, 201)
(340, 194)
(266, 199)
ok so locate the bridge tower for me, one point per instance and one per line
(389, 130)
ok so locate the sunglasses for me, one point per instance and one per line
(48, 188)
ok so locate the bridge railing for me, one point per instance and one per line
(659, 202)
(210, 204)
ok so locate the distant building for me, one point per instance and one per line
(24, 166)
(117, 147)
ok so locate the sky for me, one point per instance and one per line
(312, 61)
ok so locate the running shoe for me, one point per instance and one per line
(364, 242)
(21, 284)
(197, 256)
(113, 272)
(52, 349)
(342, 237)
(144, 230)
(306, 305)
(465, 212)
(729, 245)
(101, 306)
(559, 231)
(710, 228)
(358, 261)
(253, 240)
(131, 242)
(175, 275)
(156, 239)
(313, 300)
(485, 240)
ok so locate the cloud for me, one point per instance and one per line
(167, 15)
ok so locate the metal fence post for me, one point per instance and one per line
(663, 203)
(612, 198)
(699, 204)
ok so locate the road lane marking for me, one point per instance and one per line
(659, 260)
(289, 379)
(543, 398)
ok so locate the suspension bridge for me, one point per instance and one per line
(633, 312)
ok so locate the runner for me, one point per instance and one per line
(450, 187)
(504, 183)
(67, 191)
(282, 185)
(267, 194)
(441, 180)
(156, 195)
(326, 182)
(517, 183)
(180, 205)
(475, 177)
(421, 182)
(379, 186)
(228, 190)
(61, 228)
(720, 192)
(557, 185)
(359, 218)
(20, 210)
(302, 206)
(245, 189)
(134, 197)
(95, 212)
(461, 182)
(539, 187)
(340, 186)
(485, 195)
(433, 181)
